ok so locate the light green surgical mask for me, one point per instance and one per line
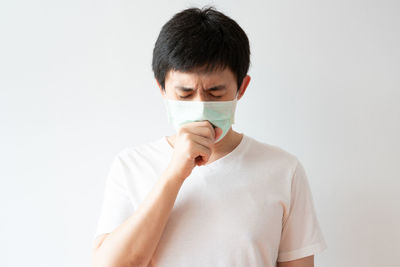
(220, 114)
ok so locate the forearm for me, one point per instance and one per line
(133, 243)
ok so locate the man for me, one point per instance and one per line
(208, 195)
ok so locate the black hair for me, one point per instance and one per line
(201, 38)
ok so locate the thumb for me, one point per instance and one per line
(218, 132)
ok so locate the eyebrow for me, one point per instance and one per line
(188, 89)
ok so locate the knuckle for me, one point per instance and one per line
(181, 130)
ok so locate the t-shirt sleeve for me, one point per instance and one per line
(301, 233)
(116, 206)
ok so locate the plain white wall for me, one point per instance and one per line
(76, 87)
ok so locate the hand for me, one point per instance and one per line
(193, 146)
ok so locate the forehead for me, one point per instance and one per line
(198, 77)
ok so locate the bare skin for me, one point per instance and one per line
(134, 242)
(303, 262)
(233, 137)
(202, 86)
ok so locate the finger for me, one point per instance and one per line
(204, 141)
(218, 132)
(202, 151)
(203, 128)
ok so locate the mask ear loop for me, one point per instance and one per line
(237, 93)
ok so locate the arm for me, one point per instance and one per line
(303, 262)
(134, 241)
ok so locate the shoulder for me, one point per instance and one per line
(271, 154)
(141, 150)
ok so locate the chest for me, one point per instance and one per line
(224, 218)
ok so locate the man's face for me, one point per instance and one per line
(219, 85)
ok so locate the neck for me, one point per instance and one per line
(226, 143)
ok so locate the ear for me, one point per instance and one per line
(243, 87)
(161, 90)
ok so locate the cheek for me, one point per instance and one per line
(172, 94)
(168, 92)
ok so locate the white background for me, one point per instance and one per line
(76, 87)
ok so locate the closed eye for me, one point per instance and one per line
(183, 97)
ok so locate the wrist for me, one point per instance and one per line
(172, 176)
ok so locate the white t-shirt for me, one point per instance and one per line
(252, 207)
